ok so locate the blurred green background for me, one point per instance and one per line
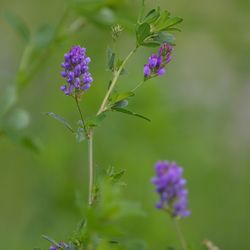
(200, 118)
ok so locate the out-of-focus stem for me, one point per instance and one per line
(180, 235)
(91, 169)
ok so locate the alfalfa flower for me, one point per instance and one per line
(157, 62)
(76, 71)
(59, 246)
(171, 187)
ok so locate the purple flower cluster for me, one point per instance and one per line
(61, 245)
(171, 187)
(76, 71)
(156, 63)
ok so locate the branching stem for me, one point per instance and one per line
(112, 85)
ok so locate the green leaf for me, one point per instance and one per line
(115, 175)
(7, 99)
(80, 135)
(111, 59)
(160, 23)
(118, 64)
(60, 119)
(18, 24)
(165, 37)
(95, 121)
(117, 97)
(18, 119)
(50, 240)
(152, 16)
(125, 111)
(172, 22)
(31, 143)
(121, 104)
(142, 32)
(153, 43)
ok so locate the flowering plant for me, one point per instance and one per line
(153, 29)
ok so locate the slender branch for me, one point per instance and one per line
(91, 170)
(180, 235)
(89, 136)
(91, 132)
(80, 112)
(137, 86)
(112, 85)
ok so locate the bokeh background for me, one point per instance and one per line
(200, 118)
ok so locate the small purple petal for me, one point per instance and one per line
(161, 72)
(147, 70)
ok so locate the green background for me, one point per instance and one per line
(200, 118)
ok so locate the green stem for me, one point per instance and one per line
(91, 132)
(80, 112)
(137, 86)
(180, 235)
(91, 169)
(89, 136)
(112, 85)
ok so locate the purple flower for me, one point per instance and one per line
(157, 63)
(76, 71)
(147, 70)
(61, 245)
(172, 189)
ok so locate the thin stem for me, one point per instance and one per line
(91, 132)
(180, 235)
(90, 154)
(91, 175)
(137, 86)
(80, 112)
(112, 85)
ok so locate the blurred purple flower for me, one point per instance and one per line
(61, 245)
(157, 63)
(76, 71)
(172, 189)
